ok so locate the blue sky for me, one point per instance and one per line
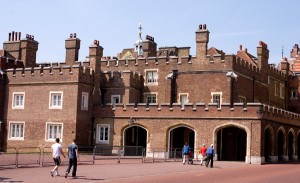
(171, 22)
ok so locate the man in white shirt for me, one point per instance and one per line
(56, 151)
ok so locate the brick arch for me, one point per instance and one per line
(291, 145)
(124, 128)
(170, 128)
(271, 146)
(237, 125)
(281, 148)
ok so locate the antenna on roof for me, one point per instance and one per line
(282, 51)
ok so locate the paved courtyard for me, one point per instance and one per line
(135, 171)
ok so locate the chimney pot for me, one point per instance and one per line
(200, 26)
(9, 37)
(13, 36)
(75, 35)
(246, 50)
(204, 26)
(241, 47)
(16, 36)
(71, 35)
(19, 35)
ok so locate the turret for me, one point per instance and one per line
(202, 39)
(72, 45)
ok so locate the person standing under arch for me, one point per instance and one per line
(210, 153)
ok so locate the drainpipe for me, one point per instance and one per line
(173, 87)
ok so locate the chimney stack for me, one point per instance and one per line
(263, 55)
(12, 46)
(29, 48)
(95, 55)
(202, 39)
(72, 45)
(149, 47)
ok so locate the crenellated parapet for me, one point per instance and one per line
(6, 63)
(199, 111)
(121, 79)
(274, 72)
(51, 74)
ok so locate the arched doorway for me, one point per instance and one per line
(231, 144)
(268, 144)
(298, 146)
(178, 137)
(290, 145)
(135, 137)
(280, 145)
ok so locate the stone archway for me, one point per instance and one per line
(291, 145)
(268, 144)
(231, 144)
(178, 136)
(134, 137)
(280, 145)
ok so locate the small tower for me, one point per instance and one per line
(138, 45)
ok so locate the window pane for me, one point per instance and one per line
(13, 130)
(106, 133)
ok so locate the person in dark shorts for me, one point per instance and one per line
(56, 150)
(73, 155)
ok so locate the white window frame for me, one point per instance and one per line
(294, 97)
(281, 91)
(52, 93)
(100, 128)
(155, 80)
(212, 98)
(85, 101)
(47, 131)
(113, 97)
(15, 101)
(151, 95)
(21, 131)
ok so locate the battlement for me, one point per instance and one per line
(276, 72)
(52, 73)
(198, 111)
(121, 79)
(6, 63)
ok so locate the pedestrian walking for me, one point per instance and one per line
(186, 151)
(56, 150)
(72, 155)
(202, 154)
(210, 153)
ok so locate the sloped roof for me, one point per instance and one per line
(214, 51)
(244, 55)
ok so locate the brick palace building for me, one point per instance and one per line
(157, 98)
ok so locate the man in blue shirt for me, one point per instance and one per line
(210, 153)
(73, 155)
(186, 151)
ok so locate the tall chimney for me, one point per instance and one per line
(72, 45)
(95, 54)
(12, 46)
(202, 39)
(29, 48)
(263, 55)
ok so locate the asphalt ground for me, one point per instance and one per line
(135, 171)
